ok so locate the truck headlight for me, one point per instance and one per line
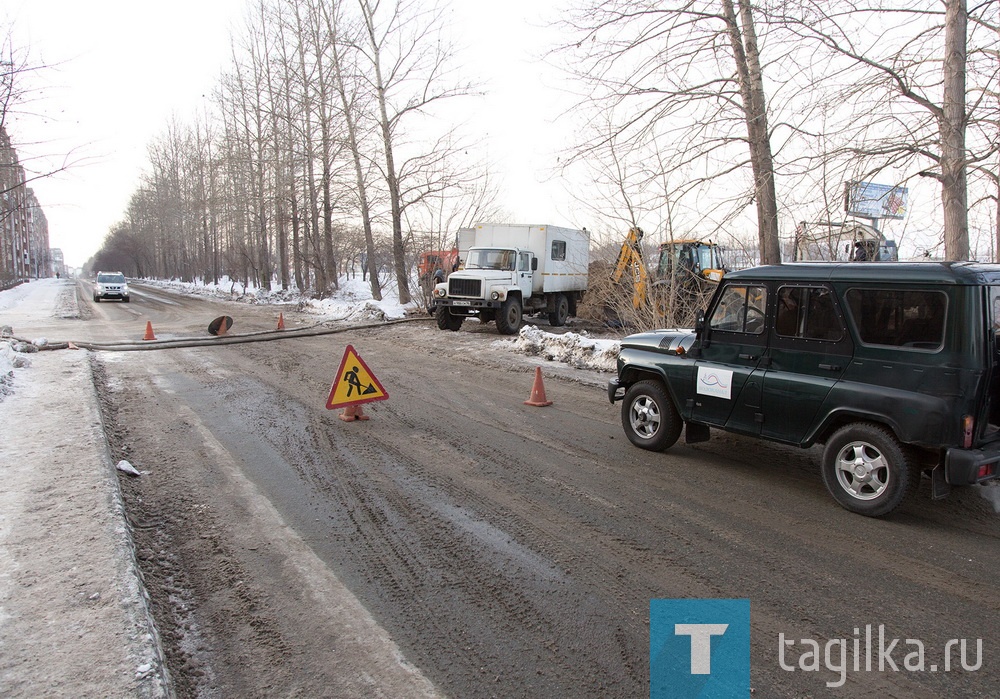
(495, 295)
(440, 292)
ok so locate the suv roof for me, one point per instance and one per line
(963, 273)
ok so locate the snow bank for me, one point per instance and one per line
(352, 301)
(6, 368)
(576, 349)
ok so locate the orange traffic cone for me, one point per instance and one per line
(538, 391)
(149, 331)
(352, 413)
(281, 321)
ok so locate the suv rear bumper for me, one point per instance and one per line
(962, 466)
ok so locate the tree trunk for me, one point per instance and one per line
(954, 192)
(355, 148)
(391, 176)
(748, 68)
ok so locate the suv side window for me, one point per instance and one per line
(740, 309)
(913, 319)
(995, 306)
(809, 313)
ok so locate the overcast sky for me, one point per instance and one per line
(116, 72)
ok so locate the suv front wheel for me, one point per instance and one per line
(866, 469)
(649, 417)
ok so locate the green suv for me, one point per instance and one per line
(894, 367)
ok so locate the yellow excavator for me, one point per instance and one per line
(690, 265)
(690, 262)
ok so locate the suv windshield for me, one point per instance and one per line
(111, 278)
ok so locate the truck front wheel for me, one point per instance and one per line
(649, 417)
(447, 321)
(557, 318)
(509, 316)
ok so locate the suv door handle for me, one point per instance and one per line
(751, 357)
(830, 367)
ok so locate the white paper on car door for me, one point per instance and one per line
(713, 381)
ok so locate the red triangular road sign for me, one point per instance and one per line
(354, 383)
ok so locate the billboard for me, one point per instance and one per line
(871, 200)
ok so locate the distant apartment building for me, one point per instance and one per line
(24, 232)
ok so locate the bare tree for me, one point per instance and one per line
(341, 41)
(408, 62)
(901, 67)
(320, 127)
(690, 78)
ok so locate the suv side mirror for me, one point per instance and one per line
(700, 330)
(699, 323)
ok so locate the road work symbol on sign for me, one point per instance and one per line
(354, 383)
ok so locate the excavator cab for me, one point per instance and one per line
(690, 262)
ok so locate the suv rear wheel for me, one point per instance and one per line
(866, 469)
(649, 417)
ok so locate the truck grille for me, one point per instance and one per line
(465, 287)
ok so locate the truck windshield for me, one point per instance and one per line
(490, 258)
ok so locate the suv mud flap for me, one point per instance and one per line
(614, 386)
(695, 432)
(939, 484)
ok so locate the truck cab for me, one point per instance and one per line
(496, 283)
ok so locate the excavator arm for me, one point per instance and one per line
(630, 261)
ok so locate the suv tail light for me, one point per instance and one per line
(967, 424)
(986, 471)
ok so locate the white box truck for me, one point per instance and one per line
(510, 270)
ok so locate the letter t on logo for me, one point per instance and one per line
(701, 644)
(699, 648)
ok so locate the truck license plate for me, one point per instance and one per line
(461, 303)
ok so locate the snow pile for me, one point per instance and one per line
(9, 360)
(66, 303)
(12, 297)
(351, 301)
(576, 349)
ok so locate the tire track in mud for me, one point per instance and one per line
(512, 551)
(404, 526)
(409, 545)
(710, 543)
(230, 630)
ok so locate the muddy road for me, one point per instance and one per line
(493, 549)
